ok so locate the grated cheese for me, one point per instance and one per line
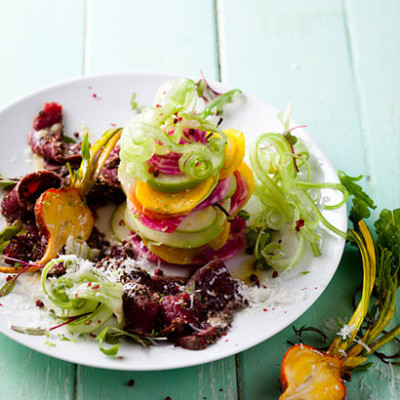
(346, 331)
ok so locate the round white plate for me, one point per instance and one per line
(103, 101)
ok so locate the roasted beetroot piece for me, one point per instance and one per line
(20, 202)
(12, 210)
(28, 247)
(31, 186)
(97, 241)
(47, 140)
(111, 164)
(181, 309)
(167, 285)
(107, 186)
(50, 115)
(103, 192)
(138, 275)
(141, 308)
(215, 287)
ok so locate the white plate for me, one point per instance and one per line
(101, 101)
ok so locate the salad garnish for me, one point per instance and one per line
(287, 200)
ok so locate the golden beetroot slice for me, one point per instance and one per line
(61, 213)
(173, 255)
(308, 374)
(173, 204)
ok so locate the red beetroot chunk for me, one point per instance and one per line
(50, 115)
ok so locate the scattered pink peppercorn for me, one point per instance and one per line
(299, 224)
(39, 303)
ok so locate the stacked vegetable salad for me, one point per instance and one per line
(184, 179)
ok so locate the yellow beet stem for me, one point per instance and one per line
(106, 151)
(99, 152)
(14, 270)
(385, 316)
(385, 339)
(367, 250)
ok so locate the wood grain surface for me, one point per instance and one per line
(337, 61)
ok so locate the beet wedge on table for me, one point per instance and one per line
(63, 212)
(308, 373)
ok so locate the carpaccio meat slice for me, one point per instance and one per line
(47, 140)
(191, 312)
(215, 288)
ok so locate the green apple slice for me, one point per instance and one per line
(182, 240)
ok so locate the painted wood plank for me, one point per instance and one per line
(374, 35)
(40, 43)
(215, 381)
(28, 374)
(175, 36)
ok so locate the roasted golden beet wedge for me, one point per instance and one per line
(61, 213)
(308, 374)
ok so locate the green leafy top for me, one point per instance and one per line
(362, 203)
(134, 104)
(216, 106)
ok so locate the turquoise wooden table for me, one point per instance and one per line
(337, 61)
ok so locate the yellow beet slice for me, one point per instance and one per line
(247, 175)
(173, 203)
(234, 152)
(221, 239)
(173, 255)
